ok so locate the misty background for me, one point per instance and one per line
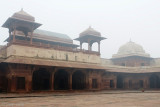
(117, 20)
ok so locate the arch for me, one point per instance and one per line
(78, 80)
(94, 46)
(85, 46)
(154, 81)
(61, 80)
(119, 81)
(41, 80)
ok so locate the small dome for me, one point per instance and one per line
(23, 16)
(131, 49)
(90, 31)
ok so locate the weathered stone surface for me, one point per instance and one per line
(104, 99)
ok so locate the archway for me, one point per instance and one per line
(85, 46)
(119, 81)
(41, 80)
(78, 80)
(154, 81)
(61, 82)
(94, 47)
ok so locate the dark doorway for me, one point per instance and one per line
(154, 81)
(119, 81)
(41, 80)
(78, 81)
(20, 83)
(111, 84)
(61, 80)
(141, 83)
(94, 83)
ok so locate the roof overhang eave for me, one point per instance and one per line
(10, 19)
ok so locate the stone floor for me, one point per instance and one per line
(83, 99)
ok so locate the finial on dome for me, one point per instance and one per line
(90, 27)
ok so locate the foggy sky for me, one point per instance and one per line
(117, 20)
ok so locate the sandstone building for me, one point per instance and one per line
(39, 60)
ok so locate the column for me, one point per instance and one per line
(80, 45)
(90, 80)
(127, 83)
(147, 83)
(52, 81)
(28, 84)
(99, 46)
(9, 79)
(115, 83)
(70, 81)
(14, 33)
(99, 83)
(87, 81)
(13, 84)
(31, 37)
(90, 83)
(9, 35)
(52, 78)
(89, 48)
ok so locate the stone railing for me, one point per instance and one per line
(49, 46)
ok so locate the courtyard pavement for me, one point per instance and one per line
(82, 99)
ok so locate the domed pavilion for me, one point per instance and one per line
(90, 36)
(131, 54)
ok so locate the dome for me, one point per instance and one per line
(131, 49)
(90, 31)
(23, 16)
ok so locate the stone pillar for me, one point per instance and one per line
(90, 83)
(52, 78)
(99, 46)
(87, 81)
(52, 81)
(89, 47)
(9, 35)
(13, 84)
(90, 80)
(28, 84)
(99, 83)
(115, 84)
(126, 84)
(31, 37)
(70, 80)
(147, 83)
(14, 34)
(144, 83)
(80, 45)
(9, 79)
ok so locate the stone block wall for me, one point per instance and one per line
(33, 52)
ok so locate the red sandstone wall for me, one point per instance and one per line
(106, 81)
